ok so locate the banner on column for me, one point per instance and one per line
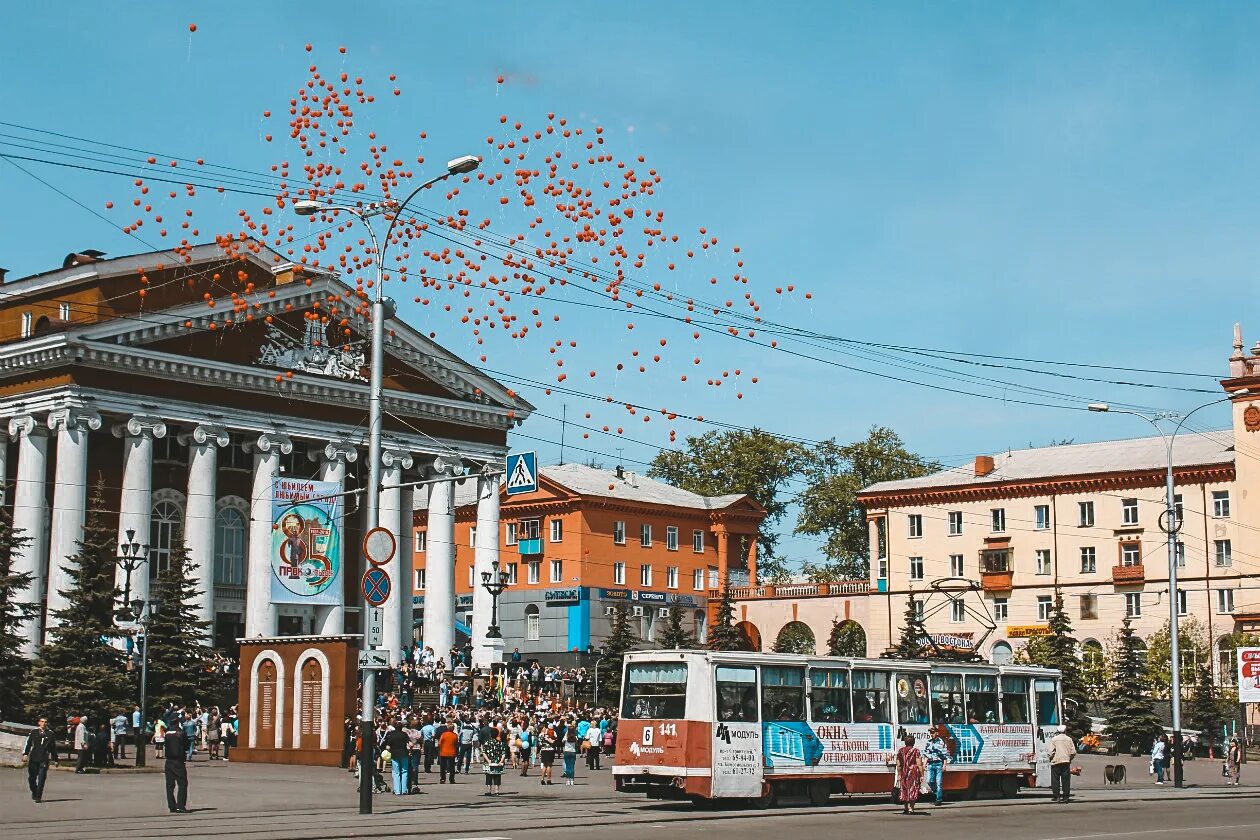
(305, 542)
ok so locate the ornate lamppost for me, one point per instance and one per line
(494, 582)
(143, 611)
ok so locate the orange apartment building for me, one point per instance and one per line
(589, 539)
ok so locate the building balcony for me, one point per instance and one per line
(1128, 574)
(998, 580)
(796, 590)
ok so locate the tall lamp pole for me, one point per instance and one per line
(372, 506)
(494, 582)
(143, 612)
(131, 556)
(1171, 527)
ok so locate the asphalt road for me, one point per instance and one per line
(264, 802)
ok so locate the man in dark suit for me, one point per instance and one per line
(176, 771)
(41, 748)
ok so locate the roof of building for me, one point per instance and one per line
(1109, 456)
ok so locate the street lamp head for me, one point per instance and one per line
(137, 606)
(155, 604)
(463, 165)
(307, 207)
(485, 578)
(1099, 407)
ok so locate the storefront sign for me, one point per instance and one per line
(684, 600)
(1025, 631)
(961, 641)
(652, 597)
(562, 596)
(614, 594)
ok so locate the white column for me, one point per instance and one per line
(485, 651)
(30, 509)
(203, 444)
(333, 457)
(393, 462)
(406, 564)
(439, 588)
(136, 504)
(69, 510)
(4, 466)
(260, 613)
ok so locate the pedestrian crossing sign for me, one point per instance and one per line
(522, 473)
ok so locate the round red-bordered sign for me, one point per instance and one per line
(379, 546)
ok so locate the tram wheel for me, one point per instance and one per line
(819, 792)
(768, 798)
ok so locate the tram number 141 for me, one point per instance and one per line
(669, 729)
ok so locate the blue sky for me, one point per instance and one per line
(1054, 181)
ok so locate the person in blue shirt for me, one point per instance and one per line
(428, 738)
(936, 756)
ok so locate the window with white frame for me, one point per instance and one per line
(420, 579)
(883, 568)
(1224, 551)
(1089, 560)
(1041, 517)
(422, 541)
(997, 520)
(956, 566)
(533, 624)
(1220, 504)
(1179, 552)
(557, 531)
(1043, 607)
(671, 577)
(918, 608)
(530, 529)
(697, 580)
(231, 526)
(1224, 601)
(1179, 509)
(1129, 511)
(619, 533)
(511, 572)
(63, 311)
(472, 537)
(1001, 608)
(1085, 514)
(671, 537)
(619, 573)
(1089, 607)
(557, 571)
(645, 535)
(915, 521)
(697, 542)
(1133, 604)
(1131, 554)
(164, 528)
(28, 324)
(645, 574)
(957, 612)
(533, 572)
(1043, 561)
(472, 576)
(1183, 603)
(916, 568)
(713, 577)
(510, 533)
(955, 523)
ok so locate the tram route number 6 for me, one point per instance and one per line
(667, 730)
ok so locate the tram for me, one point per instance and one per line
(704, 726)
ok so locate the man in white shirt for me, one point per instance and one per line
(1060, 750)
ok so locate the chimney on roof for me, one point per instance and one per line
(620, 472)
(88, 255)
(984, 465)
(3, 271)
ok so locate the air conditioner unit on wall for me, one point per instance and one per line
(663, 612)
(610, 610)
(637, 612)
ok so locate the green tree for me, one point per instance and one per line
(621, 639)
(181, 661)
(834, 475)
(13, 614)
(80, 671)
(1131, 718)
(724, 635)
(795, 637)
(847, 638)
(1194, 650)
(1058, 650)
(754, 463)
(676, 636)
(1207, 710)
(910, 645)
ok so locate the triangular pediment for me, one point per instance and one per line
(548, 491)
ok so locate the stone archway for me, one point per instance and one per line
(752, 636)
(848, 638)
(796, 637)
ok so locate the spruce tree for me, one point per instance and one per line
(846, 639)
(724, 635)
(79, 671)
(1207, 709)
(1131, 718)
(621, 639)
(676, 636)
(1058, 650)
(910, 645)
(795, 637)
(180, 658)
(13, 614)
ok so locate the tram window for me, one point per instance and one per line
(870, 697)
(655, 691)
(1014, 699)
(1047, 703)
(736, 695)
(947, 698)
(982, 705)
(912, 698)
(783, 693)
(829, 696)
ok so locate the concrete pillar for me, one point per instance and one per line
(439, 592)
(30, 509)
(485, 651)
(136, 504)
(69, 510)
(330, 620)
(406, 562)
(203, 444)
(393, 462)
(260, 613)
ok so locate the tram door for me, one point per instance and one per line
(737, 750)
(1046, 696)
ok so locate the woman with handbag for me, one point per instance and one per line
(909, 775)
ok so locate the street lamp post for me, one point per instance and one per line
(494, 582)
(1171, 527)
(131, 556)
(372, 504)
(143, 612)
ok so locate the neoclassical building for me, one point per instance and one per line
(183, 385)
